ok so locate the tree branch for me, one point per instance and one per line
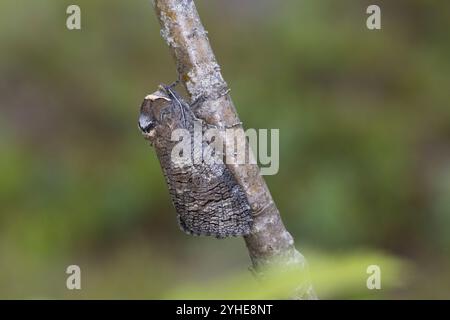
(200, 74)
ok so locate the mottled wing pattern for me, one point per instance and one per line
(208, 199)
(205, 194)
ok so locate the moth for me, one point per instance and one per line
(206, 196)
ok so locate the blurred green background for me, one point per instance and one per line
(364, 121)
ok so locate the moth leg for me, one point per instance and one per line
(174, 84)
(172, 94)
(234, 125)
(225, 92)
(197, 103)
(194, 105)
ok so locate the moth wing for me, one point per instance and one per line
(209, 201)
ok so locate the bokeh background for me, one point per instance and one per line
(364, 121)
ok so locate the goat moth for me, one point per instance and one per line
(205, 194)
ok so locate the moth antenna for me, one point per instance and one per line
(174, 96)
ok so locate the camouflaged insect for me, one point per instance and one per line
(205, 194)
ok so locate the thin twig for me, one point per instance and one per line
(199, 72)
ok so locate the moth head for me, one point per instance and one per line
(151, 113)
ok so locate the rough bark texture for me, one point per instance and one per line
(199, 72)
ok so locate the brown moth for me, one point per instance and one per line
(206, 196)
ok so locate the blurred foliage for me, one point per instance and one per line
(333, 276)
(364, 121)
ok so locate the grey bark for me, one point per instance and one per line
(269, 241)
